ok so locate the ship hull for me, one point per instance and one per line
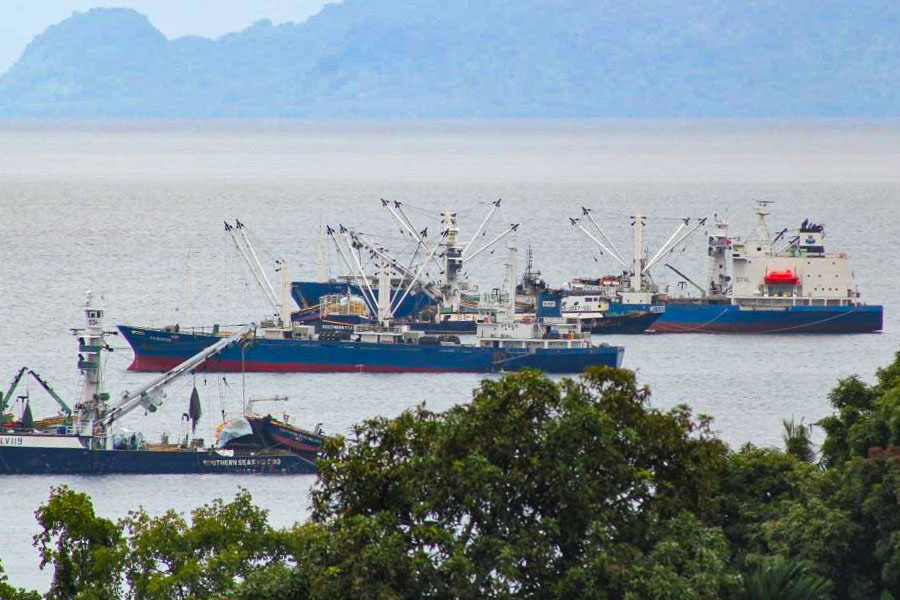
(621, 324)
(71, 461)
(159, 350)
(685, 317)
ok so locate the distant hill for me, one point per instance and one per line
(478, 58)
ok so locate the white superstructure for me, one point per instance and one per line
(793, 268)
(511, 333)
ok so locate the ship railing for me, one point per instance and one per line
(217, 330)
(378, 329)
(784, 301)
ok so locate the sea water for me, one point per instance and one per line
(134, 212)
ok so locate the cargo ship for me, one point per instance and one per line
(785, 284)
(85, 440)
(506, 345)
(764, 284)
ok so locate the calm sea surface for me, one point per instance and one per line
(134, 213)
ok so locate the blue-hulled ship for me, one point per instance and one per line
(375, 349)
(85, 440)
(785, 284)
(506, 345)
(595, 313)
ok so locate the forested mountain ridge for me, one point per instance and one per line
(488, 58)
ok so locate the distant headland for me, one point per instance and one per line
(477, 59)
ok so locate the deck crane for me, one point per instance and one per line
(49, 389)
(281, 306)
(150, 396)
(640, 266)
(93, 416)
(360, 240)
(456, 254)
(5, 399)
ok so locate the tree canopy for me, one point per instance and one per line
(534, 489)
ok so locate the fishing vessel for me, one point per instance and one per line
(86, 440)
(383, 347)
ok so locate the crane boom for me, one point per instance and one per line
(391, 261)
(614, 255)
(418, 274)
(4, 400)
(151, 395)
(494, 206)
(49, 389)
(508, 231)
(612, 247)
(258, 274)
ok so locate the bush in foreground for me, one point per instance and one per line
(535, 489)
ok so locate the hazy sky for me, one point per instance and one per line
(21, 20)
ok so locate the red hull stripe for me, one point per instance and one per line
(156, 364)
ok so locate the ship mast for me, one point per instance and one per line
(456, 254)
(718, 245)
(453, 260)
(763, 237)
(93, 416)
(91, 343)
(511, 282)
(640, 265)
(384, 295)
(638, 257)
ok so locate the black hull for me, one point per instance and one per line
(626, 324)
(69, 461)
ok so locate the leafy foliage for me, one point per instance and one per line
(84, 549)
(224, 543)
(8, 592)
(797, 440)
(786, 580)
(499, 497)
(535, 489)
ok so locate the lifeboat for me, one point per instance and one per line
(786, 277)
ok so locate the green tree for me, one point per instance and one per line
(224, 543)
(8, 592)
(797, 440)
(84, 549)
(784, 579)
(533, 489)
(848, 524)
(757, 486)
